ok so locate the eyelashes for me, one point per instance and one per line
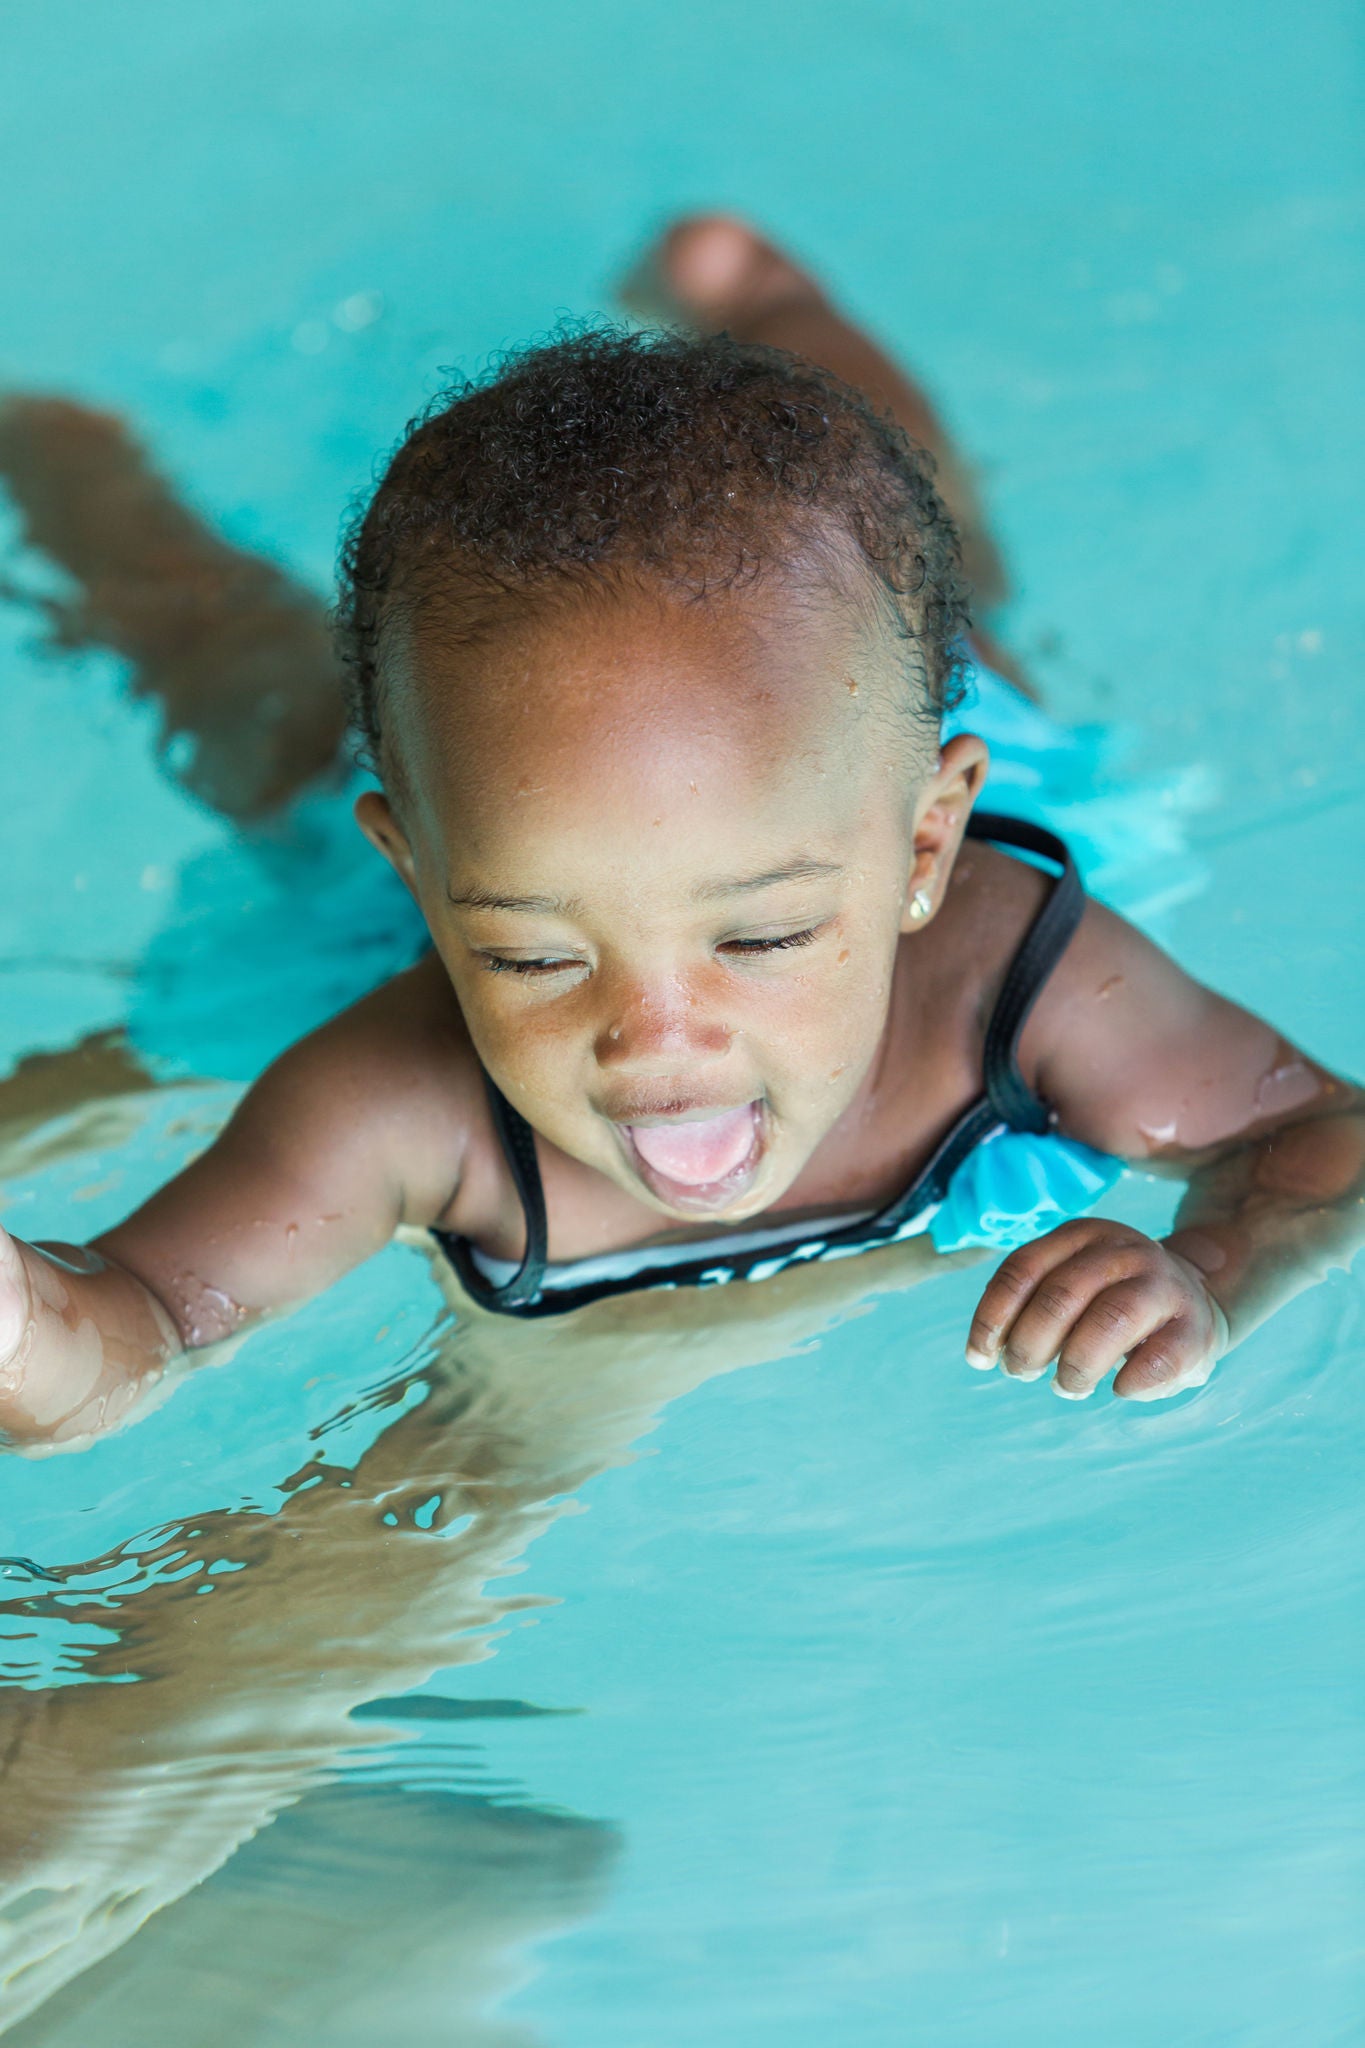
(788, 940)
(743, 949)
(495, 964)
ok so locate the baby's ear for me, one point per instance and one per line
(375, 816)
(942, 808)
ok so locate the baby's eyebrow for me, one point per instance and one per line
(801, 868)
(483, 899)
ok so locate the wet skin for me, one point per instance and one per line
(669, 853)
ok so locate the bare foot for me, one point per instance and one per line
(238, 656)
(713, 271)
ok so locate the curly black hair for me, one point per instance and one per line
(701, 459)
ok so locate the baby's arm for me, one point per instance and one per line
(1143, 1062)
(356, 1129)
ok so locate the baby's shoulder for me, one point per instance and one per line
(993, 897)
(988, 908)
(992, 903)
(394, 1081)
(412, 1017)
(1112, 1025)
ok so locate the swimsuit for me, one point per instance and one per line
(999, 1177)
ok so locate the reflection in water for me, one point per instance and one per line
(363, 1915)
(220, 1697)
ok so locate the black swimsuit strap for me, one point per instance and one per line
(518, 1141)
(1046, 939)
(1007, 1099)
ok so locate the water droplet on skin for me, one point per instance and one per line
(1285, 1087)
(206, 1314)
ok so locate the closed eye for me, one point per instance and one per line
(747, 948)
(496, 963)
(743, 949)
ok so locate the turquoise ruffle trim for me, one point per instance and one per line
(1015, 1186)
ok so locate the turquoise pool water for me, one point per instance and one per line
(760, 1675)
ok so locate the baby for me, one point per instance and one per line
(650, 640)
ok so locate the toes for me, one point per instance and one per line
(709, 260)
(713, 270)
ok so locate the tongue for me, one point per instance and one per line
(695, 1153)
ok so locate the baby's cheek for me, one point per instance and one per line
(542, 1076)
(834, 1026)
(546, 1068)
(521, 1044)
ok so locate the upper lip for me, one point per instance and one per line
(673, 1109)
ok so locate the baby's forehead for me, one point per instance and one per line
(638, 747)
(638, 668)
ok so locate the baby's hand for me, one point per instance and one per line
(1090, 1296)
(79, 1340)
(16, 1307)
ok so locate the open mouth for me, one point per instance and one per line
(701, 1162)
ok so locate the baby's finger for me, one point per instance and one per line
(1012, 1285)
(1172, 1358)
(1118, 1321)
(1044, 1325)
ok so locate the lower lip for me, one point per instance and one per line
(706, 1197)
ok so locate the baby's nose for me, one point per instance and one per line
(659, 1026)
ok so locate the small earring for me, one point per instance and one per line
(921, 903)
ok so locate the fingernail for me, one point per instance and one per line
(1015, 1369)
(1071, 1393)
(980, 1361)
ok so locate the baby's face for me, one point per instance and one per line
(665, 850)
